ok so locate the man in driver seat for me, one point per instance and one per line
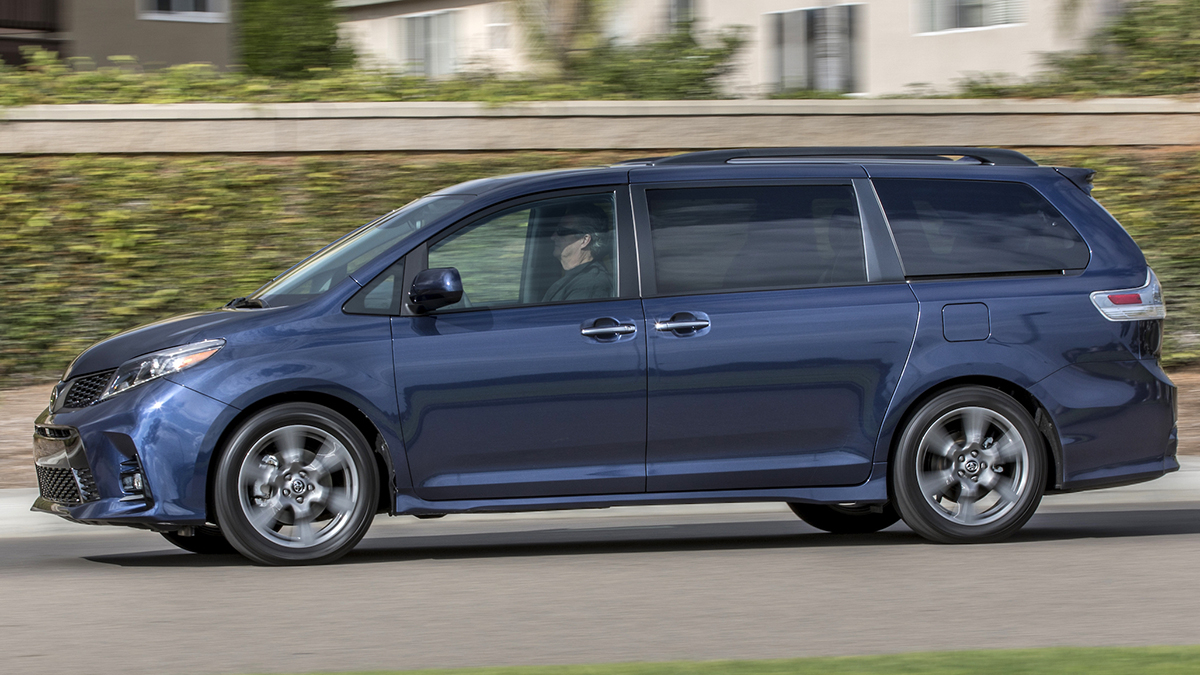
(580, 242)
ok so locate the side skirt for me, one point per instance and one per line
(873, 491)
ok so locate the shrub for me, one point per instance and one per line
(1152, 49)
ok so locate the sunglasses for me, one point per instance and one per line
(565, 232)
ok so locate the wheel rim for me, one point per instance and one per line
(298, 486)
(972, 466)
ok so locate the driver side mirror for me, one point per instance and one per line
(435, 288)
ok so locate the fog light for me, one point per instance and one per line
(132, 482)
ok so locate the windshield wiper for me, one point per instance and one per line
(243, 302)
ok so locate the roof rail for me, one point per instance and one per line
(992, 156)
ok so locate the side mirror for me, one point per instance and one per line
(435, 288)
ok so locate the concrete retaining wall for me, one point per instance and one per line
(591, 125)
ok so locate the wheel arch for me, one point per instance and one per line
(358, 418)
(1036, 409)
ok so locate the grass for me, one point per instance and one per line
(1059, 661)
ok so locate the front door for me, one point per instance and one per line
(772, 357)
(535, 383)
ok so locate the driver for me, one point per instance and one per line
(580, 240)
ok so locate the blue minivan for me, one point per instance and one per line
(941, 335)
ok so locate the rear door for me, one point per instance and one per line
(778, 326)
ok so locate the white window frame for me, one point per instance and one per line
(407, 64)
(500, 10)
(857, 67)
(1018, 7)
(219, 13)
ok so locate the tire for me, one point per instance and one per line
(970, 467)
(207, 540)
(296, 485)
(851, 519)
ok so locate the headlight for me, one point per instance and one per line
(153, 366)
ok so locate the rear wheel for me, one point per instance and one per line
(205, 540)
(970, 467)
(297, 485)
(847, 518)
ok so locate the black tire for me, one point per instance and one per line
(854, 519)
(970, 467)
(207, 540)
(288, 471)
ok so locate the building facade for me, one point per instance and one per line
(157, 33)
(868, 47)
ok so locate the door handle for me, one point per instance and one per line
(607, 328)
(619, 329)
(684, 324)
(680, 325)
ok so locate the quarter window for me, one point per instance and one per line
(959, 227)
(557, 250)
(753, 238)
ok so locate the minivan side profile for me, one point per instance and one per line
(939, 335)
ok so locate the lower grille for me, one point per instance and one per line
(58, 485)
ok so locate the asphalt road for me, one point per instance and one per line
(546, 589)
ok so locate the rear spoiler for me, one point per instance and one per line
(1082, 178)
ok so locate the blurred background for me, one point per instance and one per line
(111, 218)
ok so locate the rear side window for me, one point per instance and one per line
(753, 238)
(959, 227)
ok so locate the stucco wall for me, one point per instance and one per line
(102, 28)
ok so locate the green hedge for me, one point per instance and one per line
(673, 66)
(1152, 49)
(90, 245)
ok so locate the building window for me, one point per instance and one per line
(199, 11)
(817, 49)
(681, 12)
(429, 44)
(499, 25)
(940, 15)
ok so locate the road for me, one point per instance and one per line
(635, 585)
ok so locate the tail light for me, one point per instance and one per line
(1132, 304)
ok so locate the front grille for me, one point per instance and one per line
(53, 432)
(87, 390)
(58, 485)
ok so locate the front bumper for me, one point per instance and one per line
(161, 430)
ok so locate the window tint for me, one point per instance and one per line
(382, 295)
(557, 250)
(746, 238)
(952, 227)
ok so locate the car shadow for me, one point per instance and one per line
(723, 536)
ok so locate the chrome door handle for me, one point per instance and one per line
(619, 329)
(696, 324)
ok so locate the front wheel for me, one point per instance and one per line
(970, 467)
(297, 485)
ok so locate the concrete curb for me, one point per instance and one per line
(1177, 490)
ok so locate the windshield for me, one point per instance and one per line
(332, 264)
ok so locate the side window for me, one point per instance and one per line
(749, 238)
(556, 250)
(382, 295)
(958, 227)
